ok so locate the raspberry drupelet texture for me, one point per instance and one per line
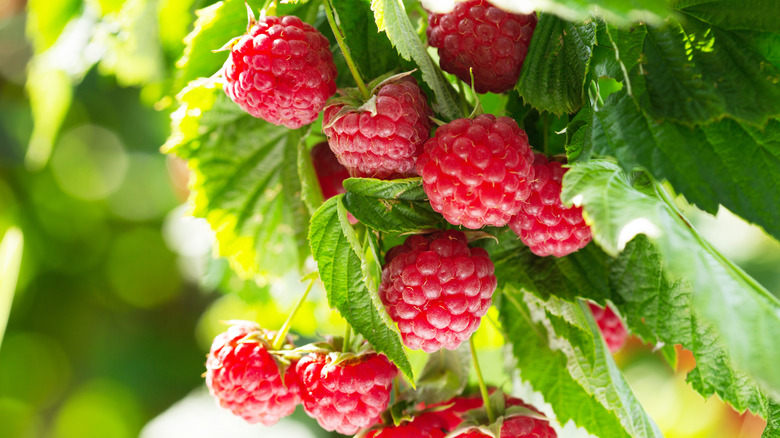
(330, 173)
(611, 326)
(518, 426)
(382, 138)
(544, 223)
(243, 377)
(478, 171)
(437, 288)
(428, 425)
(281, 71)
(478, 35)
(346, 396)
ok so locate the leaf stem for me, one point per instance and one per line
(282, 334)
(482, 387)
(667, 199)
(346, 348)
(345, 50)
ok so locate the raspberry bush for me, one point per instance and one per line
(461, 218)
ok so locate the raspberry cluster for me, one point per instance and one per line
(345, 396)
(477, 36)
(437, 289)
(544, 223)
(243, 377)
(611, 326)
(478, 171)
(381, 138)
(281, 71)
(517, 426)
(428, 424)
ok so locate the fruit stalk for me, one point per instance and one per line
(282, 334)
(482, 387)
(345, 50)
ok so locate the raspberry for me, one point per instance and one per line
(437, 289)
(544, 224)
(518, 426)
(478, 35)
(330, 173)
(346, 396)
(383, 139)
(428, 424)
(477, 172)
(611, 326)
(244, 378)
(281, 71)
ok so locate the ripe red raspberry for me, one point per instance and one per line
(346, 396)
(330, 173)
(381, 138)
(477, 172)
(611, 326)
(281, 71)
(544, 224)
(243, 377)
(478, 35)
(428, 424)
(518, 426)
(437, 289)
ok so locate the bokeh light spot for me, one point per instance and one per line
(141, 270)
(33, 368)
(99, 409)
(89, 162)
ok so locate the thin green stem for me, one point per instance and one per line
(268, 3)
(464, 105)
(347, 340)
(667, 199)
(345, 50)
(282, 334)
(482, 387)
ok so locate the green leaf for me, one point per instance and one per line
(409, 189)
(724, 296)
(597, 399)
(390, 17)
(370, 50)
(445, 375)
(237, 184)
(554, 71)
(734, 14)
(343, 265)
(582, 274)
(396, 206)
(719, 164)
(697, 74)
(772, 429)
(298, 217)
(660, 311)
(619, 12)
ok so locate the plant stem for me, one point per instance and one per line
(345, 50)
(347, 340)
(482, 387)
(282, 334)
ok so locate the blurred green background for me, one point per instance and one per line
(116, 298)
